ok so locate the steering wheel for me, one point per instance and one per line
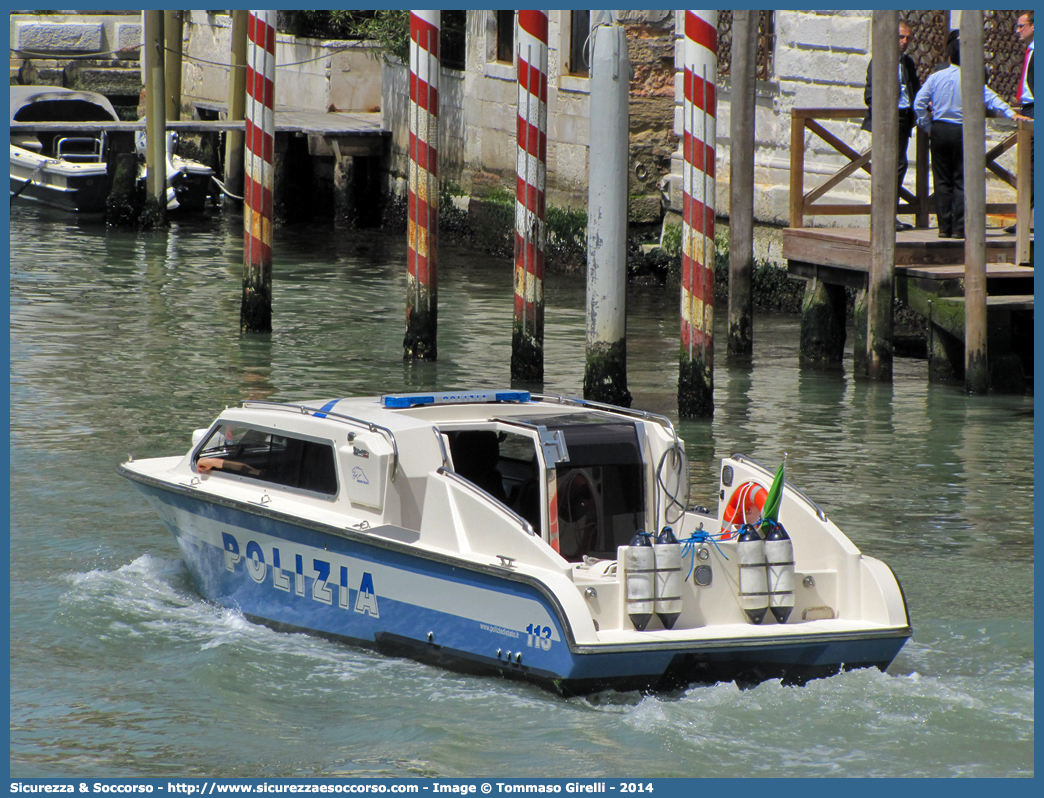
(577, 516)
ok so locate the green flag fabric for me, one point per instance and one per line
(770, 512)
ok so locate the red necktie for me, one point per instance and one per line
(1022, 80)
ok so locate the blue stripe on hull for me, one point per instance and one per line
(382, 597)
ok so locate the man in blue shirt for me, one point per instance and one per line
(938, 111)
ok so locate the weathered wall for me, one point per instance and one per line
(395, 107)
(489, 102)
(320, 75)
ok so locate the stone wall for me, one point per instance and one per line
(312, 74)
(55, 35)
(489, 100)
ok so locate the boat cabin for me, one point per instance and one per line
(575, 475)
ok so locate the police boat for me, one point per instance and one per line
(534, 537)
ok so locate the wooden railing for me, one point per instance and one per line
(918, 203)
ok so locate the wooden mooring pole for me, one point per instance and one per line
(883, 190)
(741, 185)
(236, 103)
(605, 371)
(255, 313)
(422, 299)
(696, 361)
(173, 34)
(155, 212)
(976, 367)
(527, 340)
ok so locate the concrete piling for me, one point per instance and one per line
(976, 367)
(605, 375)
(255, 313)
(696, 364)
(527, 341)
(422, 309)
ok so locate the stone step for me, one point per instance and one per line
(109, 80)
(111, 77)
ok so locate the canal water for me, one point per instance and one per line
(124, 342)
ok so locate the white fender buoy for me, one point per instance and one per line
(668, 560)
(640, 566)
(779, 558)
(753, 579)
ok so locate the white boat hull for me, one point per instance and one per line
(469, 595)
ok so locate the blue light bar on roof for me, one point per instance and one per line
(453, 398)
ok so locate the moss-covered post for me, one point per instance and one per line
(823, 315)
(605, 374)
(422, 298)
(976, 368)
(696, 362)
(155, 212)
(527, 340)
(883, 191)
(255, 313)
(741, 188)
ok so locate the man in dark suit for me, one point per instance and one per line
(1024, 93)
(908, 86)
(1024, 27)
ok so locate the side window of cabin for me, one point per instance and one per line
(269, 457)
(504, 465)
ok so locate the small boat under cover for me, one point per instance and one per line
(68, 169)
(534, 537)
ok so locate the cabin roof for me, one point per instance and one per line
(57, 104)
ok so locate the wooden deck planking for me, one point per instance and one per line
(338, 124)
(849, 247)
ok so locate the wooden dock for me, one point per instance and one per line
(929, 278)
(358, 133)
(842, 254)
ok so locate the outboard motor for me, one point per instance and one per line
(173, 172)
(667, 558)
(753, 579)
(640, 565)
(779, 557)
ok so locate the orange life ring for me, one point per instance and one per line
(745, 505)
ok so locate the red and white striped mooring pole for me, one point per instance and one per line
(696, 366)
(422, 308)
(255, 314)
(527, 341)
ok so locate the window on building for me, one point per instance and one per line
(452, 39)
(579, 31)
(1003, 53)
(766, 44)
(506, 36)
